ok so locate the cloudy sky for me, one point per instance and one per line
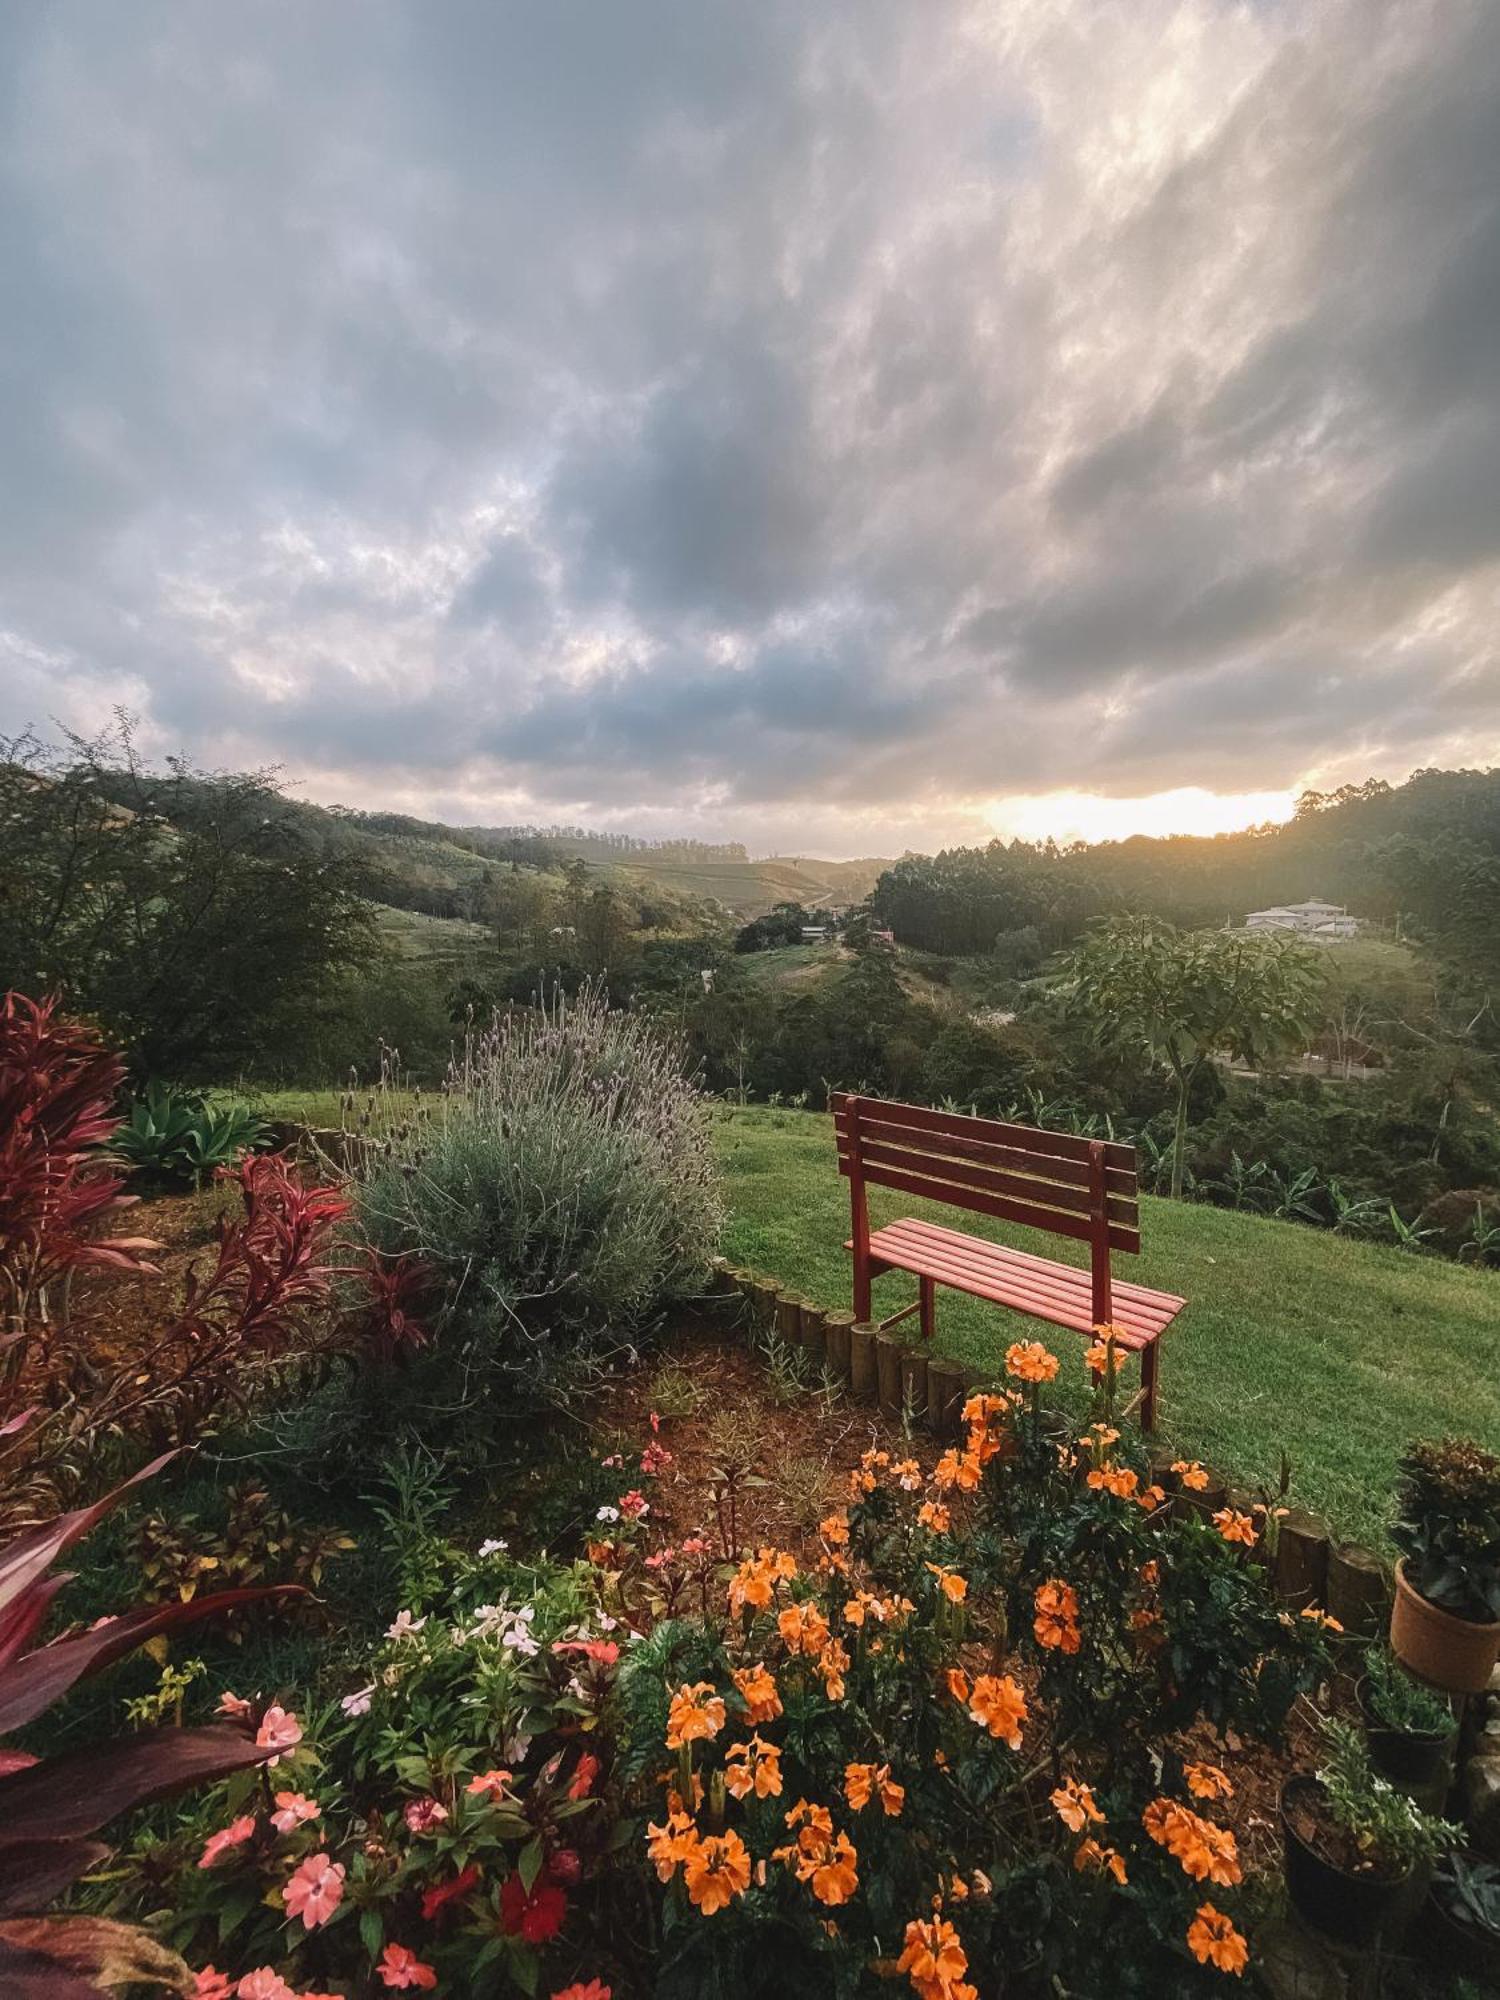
(835, 424)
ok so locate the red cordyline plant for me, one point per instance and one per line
(51, 1809)
(58, 1087)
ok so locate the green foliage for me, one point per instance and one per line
(180, 1135)
(1469, 1890)
(1448, 1526)
(1388, 1829)
(781, 925)
(562, 1195)
(1394, 1700)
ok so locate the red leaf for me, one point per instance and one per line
(29, 1686)
(56, 1958)
(34, 1872)
(30, 1555)
(75, 1794)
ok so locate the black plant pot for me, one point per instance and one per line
(1408, 1759)
(1357, 1910)
(1461, 1947)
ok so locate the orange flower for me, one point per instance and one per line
(821, 1858)
(1235, 1527)
(934, 1960)
(670, 1845)
(1116, 1479)
(950, 1583)
(1091, 1855)
(1151, 1573)
(1074, 1805)
(757, 1578)
(1029, 1361)
(753, 1767)
(836, 1876)
(934, 1515)
(835, 1529)
(696, 1714)
(1207, 1852)
(862, 1782)
(981, 1408)
(954, 1470)
(803, 1628)
(908, 1475)
(1207, 1781)
(1191, 1474)
(833, 1664)
(1150, 1498)
(1056, 1621)
(1323, 1619)
(997, 1702)
(716, 1872)
(758, 1691)
(957, 1683)
(1213, 1940)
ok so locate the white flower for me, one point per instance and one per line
(358, 1703)
(405, 1625)
(493, 1547)
(608, 1514)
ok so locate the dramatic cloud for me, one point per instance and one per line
(818, 423)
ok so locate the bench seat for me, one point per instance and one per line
(1060, 1293)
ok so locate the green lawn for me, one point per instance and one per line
(1293, 1339)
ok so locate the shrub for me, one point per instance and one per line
(561, 1197)
(179, 1136)
(976, 1734)
(1448, 1526)
(1390, 1834)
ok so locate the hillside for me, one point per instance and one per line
(1336, 1352)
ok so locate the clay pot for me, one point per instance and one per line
(1454, 1654)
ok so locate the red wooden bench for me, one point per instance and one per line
(1083, 1188)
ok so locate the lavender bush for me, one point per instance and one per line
(562, 1189)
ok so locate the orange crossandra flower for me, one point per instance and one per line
(758, 1690)
(1207, 1781)
(982, 1408)
(908, 1475)
(803, 1628)
(960, 1470)
(716, 1872)
(934, 1515)
(1236, 1527)
(1029, 1361)
(1191, 1474)
(863, 1782)
(757, 1578)
(1150, 1498)
(997, 1702)
(935, 1961)
(957, 1683)
(1213, 1940)
(824, 1860)
(1322, 1618)
(833, 1664)
(1151, 1573)
(835, 1529)
(954, 1587)
(1056, 1621)
(836, 1876)
(753, 1767)
(1109, 1860)
(696, 1714)
(1206, 1852)
(670, 1845)
(1073, 1802)
(1116, 1479)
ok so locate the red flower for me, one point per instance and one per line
(535, 1917)
(437, 1899)
(583, 1778)
(400, 1967)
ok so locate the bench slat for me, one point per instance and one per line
(959, 1174)
(983, 1152)
(1061, 1145)
(1029, 1214)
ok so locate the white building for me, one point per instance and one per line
(1324, 923)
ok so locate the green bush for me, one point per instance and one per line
(178, 1135)
(561, 1195)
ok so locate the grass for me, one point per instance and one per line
(1335, 1351)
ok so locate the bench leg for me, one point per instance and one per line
(927, 1295)
(1149, 1355)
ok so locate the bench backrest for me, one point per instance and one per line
(1085, 1188)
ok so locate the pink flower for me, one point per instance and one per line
(279, 1730)
(694, 1545)
(425, 1815)
(295, 1811)
(491, 1786)
(234, 1707)
(654, 1459)
(401, 1967)
(314, 1892)
(634, 1505)
(564, 1866)
(211, 1985)
(358, 1703)
(264, 1985)
(234, 1835)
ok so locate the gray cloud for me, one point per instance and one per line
(755, 418)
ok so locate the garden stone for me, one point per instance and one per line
(1292, 1964)
(1482, 1802)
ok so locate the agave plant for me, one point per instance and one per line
(52, 1808)
(179, 1135)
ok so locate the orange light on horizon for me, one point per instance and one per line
(1091, 816)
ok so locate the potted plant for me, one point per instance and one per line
(1354, 1845)
(1409, 1729)
(1465, 1908)
(1445, 1623)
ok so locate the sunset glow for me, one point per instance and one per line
(1070, 816)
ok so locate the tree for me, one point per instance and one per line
(1184, 997)
(194, 914)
